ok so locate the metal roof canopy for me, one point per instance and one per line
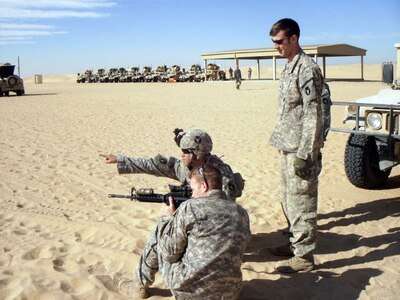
(332, 50)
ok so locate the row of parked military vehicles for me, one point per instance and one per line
(161, 74)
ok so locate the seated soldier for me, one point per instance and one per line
(198, 248)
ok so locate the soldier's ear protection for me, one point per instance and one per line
(179, 133)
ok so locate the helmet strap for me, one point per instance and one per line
(192, 156)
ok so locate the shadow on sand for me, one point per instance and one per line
(314, 285)
(323, 282)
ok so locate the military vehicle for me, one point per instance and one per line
(157, 74)
(174, 73)
(194, 70)
(184, 76)
(221, 75)
(113, 75)
(212, 71)
(123, 75)
(99, 75)
(190, 75)
(86, 76)
(200, 74)
(134, 71)
(373, 146)
(140, 77)
(10, 82)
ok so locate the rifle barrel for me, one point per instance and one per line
(119, 196)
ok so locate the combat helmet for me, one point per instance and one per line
(196, 141)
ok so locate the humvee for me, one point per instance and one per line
(123, 75)
(200, 76)
(191, 74)
(212, 71)
(113, 75)
(174, 73)
(157, 74)
(140, 77)
(373, 146)
(100, 75)
(10, 82)
(221, 75)
(86, 76)
(134, 71)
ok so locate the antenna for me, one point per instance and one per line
(19, 73)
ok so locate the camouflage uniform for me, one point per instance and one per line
(175, 169)
(237, 74)
(299, 133)
(199, 249)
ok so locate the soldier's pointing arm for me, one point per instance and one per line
(158, 166)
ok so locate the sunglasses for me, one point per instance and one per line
(185, 151)
(203, 175)
(279, 42)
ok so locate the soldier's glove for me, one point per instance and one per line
(301, 167)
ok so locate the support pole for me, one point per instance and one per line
(258, 67)
(324, 66)
(362, 67)
(274, 68)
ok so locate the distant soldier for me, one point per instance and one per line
(197, 248)
(196, 148)
(230, 74)
(238, 77)
(249, 73)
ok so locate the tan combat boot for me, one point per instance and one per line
(132, 288)
(295, 264)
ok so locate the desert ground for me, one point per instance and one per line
(60, 233)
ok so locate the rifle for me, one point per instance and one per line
(179, 193)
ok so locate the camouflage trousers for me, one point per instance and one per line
(151, 262)
(238, 83)
(299, 197)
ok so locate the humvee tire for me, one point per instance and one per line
(361, 162)
(12, 81)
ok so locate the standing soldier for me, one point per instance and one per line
(249, 73)
(298, 135)
(196, 146)
(238, 77)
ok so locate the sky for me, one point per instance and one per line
(54, 37)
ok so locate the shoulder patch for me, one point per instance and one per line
(159, 159)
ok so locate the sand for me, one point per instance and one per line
(59, 230)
